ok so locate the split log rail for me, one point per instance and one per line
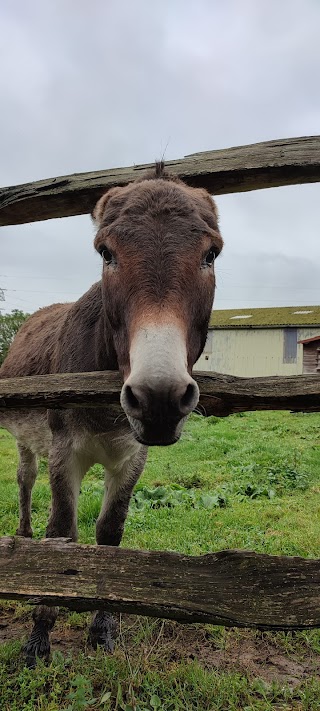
(238, 588)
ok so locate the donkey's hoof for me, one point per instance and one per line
(25, 531)
(102, 632)
(37, 646)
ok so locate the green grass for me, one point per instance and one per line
(249, 481)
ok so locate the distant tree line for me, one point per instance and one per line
(9, 325)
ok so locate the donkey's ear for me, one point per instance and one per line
(99, 209)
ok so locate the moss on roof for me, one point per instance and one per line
(267, 318)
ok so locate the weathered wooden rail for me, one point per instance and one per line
(232, 588)
(261, 165)
(221, 395)
(238, 588)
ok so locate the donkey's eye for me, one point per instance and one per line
(106, 255)
(210, 257)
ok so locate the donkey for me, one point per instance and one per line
(148, 318)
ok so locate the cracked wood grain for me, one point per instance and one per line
(232, 587)
(220, 395)
(261, 165)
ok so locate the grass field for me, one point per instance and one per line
(249, 481)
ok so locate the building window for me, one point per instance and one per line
(290, 345)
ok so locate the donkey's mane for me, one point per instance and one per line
(159, 171)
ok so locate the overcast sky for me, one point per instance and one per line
(92, 85)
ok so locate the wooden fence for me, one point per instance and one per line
(239, 588)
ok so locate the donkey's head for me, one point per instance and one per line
(158, 239)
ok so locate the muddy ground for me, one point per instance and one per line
(252, 653)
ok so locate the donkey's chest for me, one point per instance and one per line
(101, 437)
(111, 449)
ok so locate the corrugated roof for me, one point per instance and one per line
(266, 318)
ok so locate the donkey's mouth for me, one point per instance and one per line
(156, 434)
(156, 443)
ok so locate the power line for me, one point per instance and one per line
(34, 291)
(30, 276)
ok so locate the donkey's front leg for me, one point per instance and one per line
(109, 530)
(26, 475)
(65, 480)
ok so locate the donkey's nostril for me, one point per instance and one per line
(189, 399)
(132, 400)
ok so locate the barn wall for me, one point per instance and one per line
(252, 352)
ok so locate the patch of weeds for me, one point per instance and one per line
(160, 496)
(252, 491)
(219, 499)
(190, 481)
(254, 481)
(288, 478)
(171, 496)
(249, 482)
(80, 694)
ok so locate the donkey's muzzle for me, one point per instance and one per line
(156, 413)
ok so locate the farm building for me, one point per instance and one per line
(261, 342)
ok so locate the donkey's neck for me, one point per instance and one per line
(86, 342)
